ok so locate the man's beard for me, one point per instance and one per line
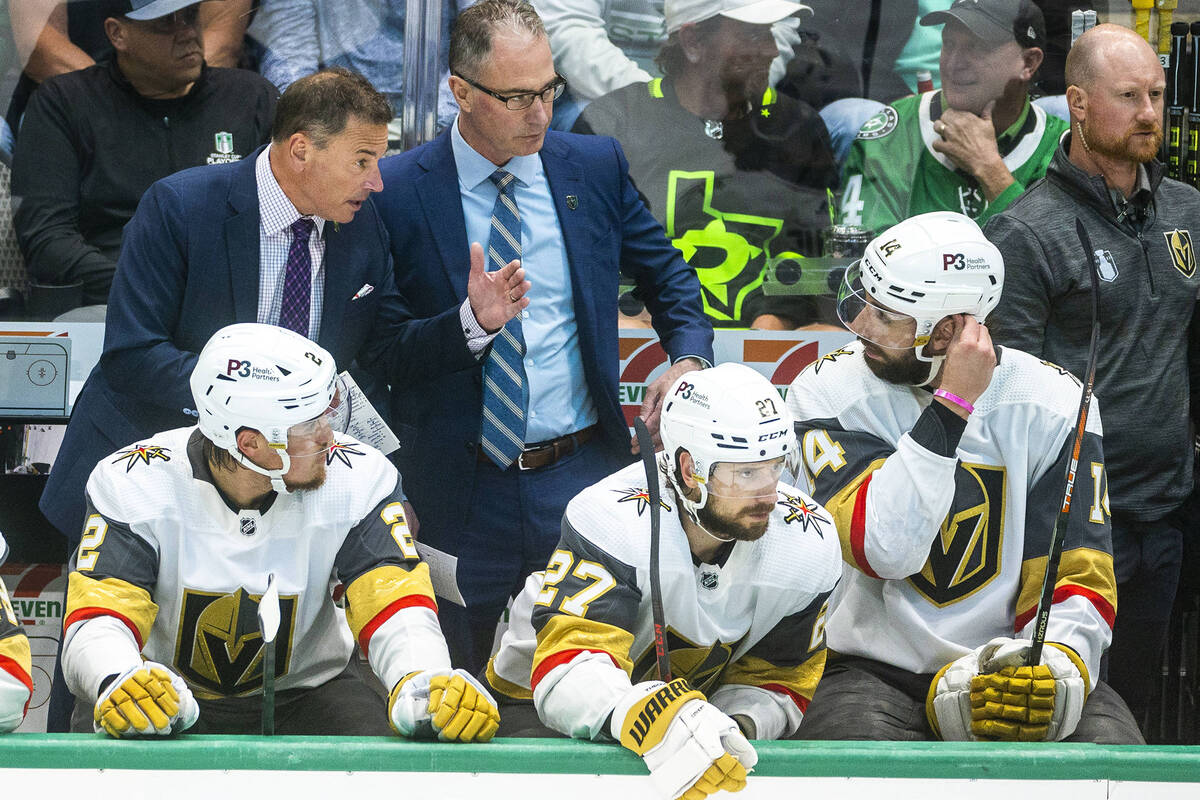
(1121, 147)
(315, 482)
(742, 88)
(734, 529)
(906, 370)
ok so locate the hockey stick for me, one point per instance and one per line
(662, 656)
(1059, 535)
(268, 625)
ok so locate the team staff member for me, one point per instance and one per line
(1105, 174)
(735, 171)
(746, 566)
(16, 665)
(942, 460)
(161, 631)
(972, 146)
(92, 141)
(513, 412)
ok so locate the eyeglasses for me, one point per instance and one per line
(523, 100)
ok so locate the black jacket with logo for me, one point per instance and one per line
(90, 145)
(1148, 290)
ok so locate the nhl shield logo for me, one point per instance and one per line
(709, 580)
(1179, 241)
(223, 142)
(1106, 266)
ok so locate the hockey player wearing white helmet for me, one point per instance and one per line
(183, 531)
(16, 670)
(942, 458)
(746, 565)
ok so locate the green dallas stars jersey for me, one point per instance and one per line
(894, 173)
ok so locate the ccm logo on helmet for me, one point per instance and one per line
(242, 368)
(766, 437)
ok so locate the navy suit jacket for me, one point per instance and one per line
(605, 230)
(188, 267)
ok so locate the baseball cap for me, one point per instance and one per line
(757, 12)
(996, 21)
(153, 9)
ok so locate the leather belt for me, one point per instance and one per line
(543, 454)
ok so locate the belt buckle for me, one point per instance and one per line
(520, 462)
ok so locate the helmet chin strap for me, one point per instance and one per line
(692, 507)
(276, 475)
(935, 364)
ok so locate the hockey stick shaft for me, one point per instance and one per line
(662, 656)
(268, 624)
(1058, 537)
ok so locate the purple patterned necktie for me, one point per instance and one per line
(297, 281)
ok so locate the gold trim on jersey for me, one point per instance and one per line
(563, 632)
(130, 603)
(801, 679)
(378, 588)
(503, 686)
(16, 648)
(841, 506)
(1080, 566)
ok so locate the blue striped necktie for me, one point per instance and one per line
(505, 389)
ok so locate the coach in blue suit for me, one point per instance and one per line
(572, 219)
(207, 248)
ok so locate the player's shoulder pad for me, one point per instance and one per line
(144, 475)
(801, 549)
(1024, 379)
(837, 380)
(614, 514)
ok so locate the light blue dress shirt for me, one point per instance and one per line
(559, 402)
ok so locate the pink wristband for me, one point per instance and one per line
(953, 398)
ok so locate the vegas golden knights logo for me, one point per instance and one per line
(965, 555)
(701, 666)
(1182, 255)
(219, 646)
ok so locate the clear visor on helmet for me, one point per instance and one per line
(315, 437)
(746, 480)
(867, 320)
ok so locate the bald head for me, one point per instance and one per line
(1105, 51)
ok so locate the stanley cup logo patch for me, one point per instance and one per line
(223, 142)
(1182, 255)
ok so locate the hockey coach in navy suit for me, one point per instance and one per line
(287, 236)
(528, 414)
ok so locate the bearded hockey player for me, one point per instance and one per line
(746, 567)
(16, 685)
(183, 531)
(942, 459)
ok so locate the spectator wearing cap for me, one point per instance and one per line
(974, 145)
(735, 171)
(93, 140)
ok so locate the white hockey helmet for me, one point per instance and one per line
(270, 379)
(729, 413)
(925, 268)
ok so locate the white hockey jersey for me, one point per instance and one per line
(945, 553)
(164, 559)
(748, 631)
(16, 682)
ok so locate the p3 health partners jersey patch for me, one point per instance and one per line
(880, 125)
(1183, 256)
(965, 555)
(142, 454)
(219, 646)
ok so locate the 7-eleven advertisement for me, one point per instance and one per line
(779, 355)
